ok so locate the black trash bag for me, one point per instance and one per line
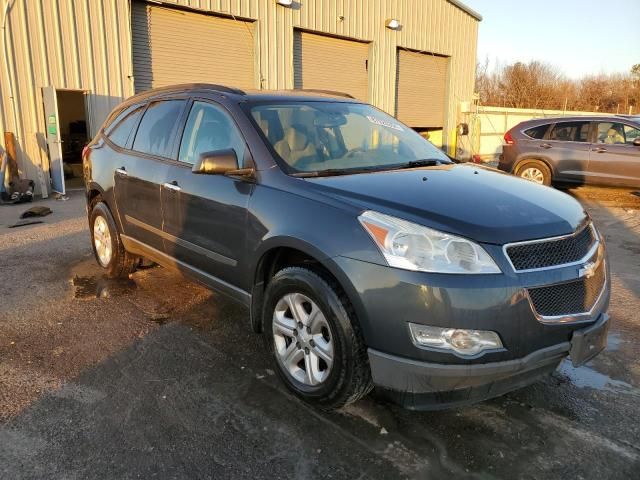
(37, 211)
(21, 190)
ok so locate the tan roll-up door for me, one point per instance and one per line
(175, 46)
(328, 63)
(421, 89)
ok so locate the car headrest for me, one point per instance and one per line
(296, 138)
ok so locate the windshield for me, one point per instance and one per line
(323, 136)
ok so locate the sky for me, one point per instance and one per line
(580, 37)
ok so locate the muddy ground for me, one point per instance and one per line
(159, 377)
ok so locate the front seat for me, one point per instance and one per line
(295, 147)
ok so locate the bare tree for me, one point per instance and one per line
(541, 86)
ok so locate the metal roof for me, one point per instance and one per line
(470, 11)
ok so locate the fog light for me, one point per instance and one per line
(460, 341)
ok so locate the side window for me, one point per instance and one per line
(208, 129)
(570, 132)
(113, 120)
(630, 134)
(158, 128)
(538, 132)
(120, 129)
(611, 133)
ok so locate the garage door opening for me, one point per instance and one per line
(329, 63)
(172, 46)
(421, 92)
(67, 135)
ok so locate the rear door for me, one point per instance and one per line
(614, 159)
(139, 173)
(205, 215)
(567, 147)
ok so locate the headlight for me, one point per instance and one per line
(414, 247)
(461, 341)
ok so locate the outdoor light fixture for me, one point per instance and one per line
(284, 3)
(392, 24)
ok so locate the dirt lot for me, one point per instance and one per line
(159, 377)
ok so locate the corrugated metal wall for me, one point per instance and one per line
(86, 44)
(79, 44)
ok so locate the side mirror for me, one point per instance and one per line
(636, 142)
(218, 162)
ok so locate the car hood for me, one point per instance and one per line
(464, 199)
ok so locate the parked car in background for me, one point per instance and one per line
(364, 254)
(598, 150)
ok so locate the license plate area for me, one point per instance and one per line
(589, 342)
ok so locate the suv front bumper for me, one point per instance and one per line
(433, 386)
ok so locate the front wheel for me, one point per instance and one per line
(313, 335)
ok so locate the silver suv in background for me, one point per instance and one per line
(599, 150)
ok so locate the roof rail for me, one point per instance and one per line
(224, 88)
(328, 92)
(182, 86)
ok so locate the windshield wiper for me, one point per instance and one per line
(329, 172)
(425, 162)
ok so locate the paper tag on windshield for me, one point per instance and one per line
(384, 123)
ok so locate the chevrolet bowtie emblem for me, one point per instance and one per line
(588, 270)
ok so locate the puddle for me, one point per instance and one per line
(101, 287)
(585, 377)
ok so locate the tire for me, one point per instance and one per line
(335, 329)
(535, 171)
(118, 263)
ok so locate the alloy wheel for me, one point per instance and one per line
(302, 338)
(102, 240)
(533, 175)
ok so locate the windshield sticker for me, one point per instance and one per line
(384, 123)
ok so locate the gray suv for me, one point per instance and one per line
(364, 255)
(602, 150)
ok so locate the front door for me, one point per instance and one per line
(205, 215)
(614, 159)
(54, 142)
(140, 171)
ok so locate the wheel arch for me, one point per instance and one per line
(284, 252)
(530, 158)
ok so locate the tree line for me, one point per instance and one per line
(539, 85)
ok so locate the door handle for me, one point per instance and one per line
(600, 150)
(172, 186)
(546, 145)
(122, 171)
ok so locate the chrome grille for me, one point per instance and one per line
(569, 298)
(552, 252)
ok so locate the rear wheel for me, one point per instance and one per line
(312, 333)
(107, 246)
(535, 171)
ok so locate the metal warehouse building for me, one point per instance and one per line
(67, 63)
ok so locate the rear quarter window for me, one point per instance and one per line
(538, 132)
(122, 127)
